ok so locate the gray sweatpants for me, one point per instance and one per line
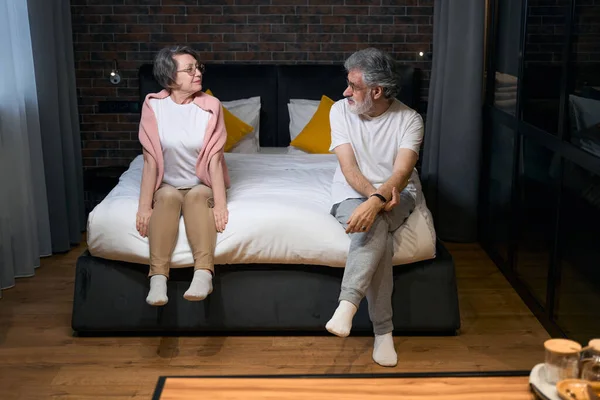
(368, 268)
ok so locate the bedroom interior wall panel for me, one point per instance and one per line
(228, 31)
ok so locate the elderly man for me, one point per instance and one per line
(376, 139)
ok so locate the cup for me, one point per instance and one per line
(590, 361)
(561, 360)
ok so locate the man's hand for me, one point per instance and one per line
(393, 202)
(142, 221)
(221, 217)
(363, 217)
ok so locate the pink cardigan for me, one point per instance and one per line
(214, 137)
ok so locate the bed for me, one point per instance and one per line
(280, 260)
(278, 208)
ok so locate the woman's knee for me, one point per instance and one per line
(201, 195)
(168, 195)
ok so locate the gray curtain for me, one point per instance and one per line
(52, 43)
(41, 195)
(452, 144)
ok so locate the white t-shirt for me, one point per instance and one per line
(375, 142)
(181, 128)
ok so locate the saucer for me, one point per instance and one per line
(541, 387)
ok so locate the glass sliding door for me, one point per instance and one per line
(539, 170)
(543, 67)
(578, 284)
(540, 178)
(582, 129)
(497, 195)
(507, 55)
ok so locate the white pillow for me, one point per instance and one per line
(586, 112)
(246, 146)
(240, 102)
(305, 101)
(248, 110)
(300, 114)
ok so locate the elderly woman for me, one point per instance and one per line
(182, 133)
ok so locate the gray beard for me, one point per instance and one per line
(361, 108)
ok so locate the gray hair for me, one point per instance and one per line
(378, 69)
(165, 67)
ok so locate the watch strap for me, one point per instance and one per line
(380, 197)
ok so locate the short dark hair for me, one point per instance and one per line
(165, 67)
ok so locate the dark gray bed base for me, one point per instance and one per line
(110, 299)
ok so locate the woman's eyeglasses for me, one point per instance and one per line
(191, 71)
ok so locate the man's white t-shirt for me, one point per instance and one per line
(181, 128)
(375, 142)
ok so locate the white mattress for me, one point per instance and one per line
(278, 213)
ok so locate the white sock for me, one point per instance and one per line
(384, 353)
(158, 291)
(200, 287)
(341, 322)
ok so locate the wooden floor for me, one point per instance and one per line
(39, 357)
(348, 389)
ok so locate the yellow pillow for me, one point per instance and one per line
(236, 128)
(316, 135)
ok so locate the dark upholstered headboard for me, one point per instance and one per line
(276, 84)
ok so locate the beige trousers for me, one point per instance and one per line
(196, 205)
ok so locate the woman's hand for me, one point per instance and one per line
(143, 221)
(221, 217)
(219, 192)
(149, 171)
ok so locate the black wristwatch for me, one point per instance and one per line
(380, 197)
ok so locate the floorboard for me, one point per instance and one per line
(39, 357)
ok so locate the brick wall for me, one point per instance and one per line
(586, 31)
(546, 28)
(544, 56)
(250, 31)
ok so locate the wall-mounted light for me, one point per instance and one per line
(115, 78)
(423, 56)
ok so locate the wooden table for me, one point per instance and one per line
(350, 387)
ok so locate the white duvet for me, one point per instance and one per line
(278, 213)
